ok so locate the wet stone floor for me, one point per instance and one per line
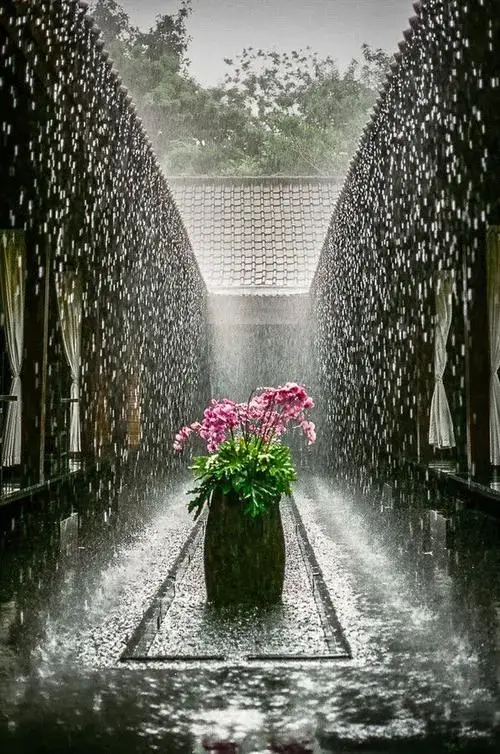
(293, 628)
(414, 580)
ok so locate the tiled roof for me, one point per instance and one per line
(256, 235)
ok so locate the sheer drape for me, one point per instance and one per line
(441, 433)
(12, 284)
(493, 269)
(69, 300)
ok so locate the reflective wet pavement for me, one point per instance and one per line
(415, 582)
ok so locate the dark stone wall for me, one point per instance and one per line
(78, 174)
(419, 196)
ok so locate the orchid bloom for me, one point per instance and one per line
(266, 415)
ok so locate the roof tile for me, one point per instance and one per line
(250, 233)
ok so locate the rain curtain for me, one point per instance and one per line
(133, 403)
(441, 433)
(69, 301)
(12, 290)
(493, 285)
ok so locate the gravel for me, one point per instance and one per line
(192, 627)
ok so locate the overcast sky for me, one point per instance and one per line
(222, 28)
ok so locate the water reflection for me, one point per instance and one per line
(453, 555)
(414, 576)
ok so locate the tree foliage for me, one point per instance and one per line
(275, 113)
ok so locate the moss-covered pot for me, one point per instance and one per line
(244, 557)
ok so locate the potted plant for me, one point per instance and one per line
(241, 479)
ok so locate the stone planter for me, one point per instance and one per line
(244, 557)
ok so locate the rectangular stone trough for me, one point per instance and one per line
(180, 626)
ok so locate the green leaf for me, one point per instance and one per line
(258, 476)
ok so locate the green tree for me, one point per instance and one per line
(111, 20)
(274, 113)
(375, 67)
(311, 114)
(168, 37)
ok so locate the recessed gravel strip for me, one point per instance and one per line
(152, 619)
(191, 629)
(334, 635)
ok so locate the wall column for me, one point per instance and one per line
(34, 362)
(477, 360)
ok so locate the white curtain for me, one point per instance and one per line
(493, 271)
(69, 301)
(441, 433)
(12, 285)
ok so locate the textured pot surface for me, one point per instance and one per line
(244, 557)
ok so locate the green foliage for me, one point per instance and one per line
(311, 115)
(168, 37)
(274, 114)
(255, 473)
(111, 20)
